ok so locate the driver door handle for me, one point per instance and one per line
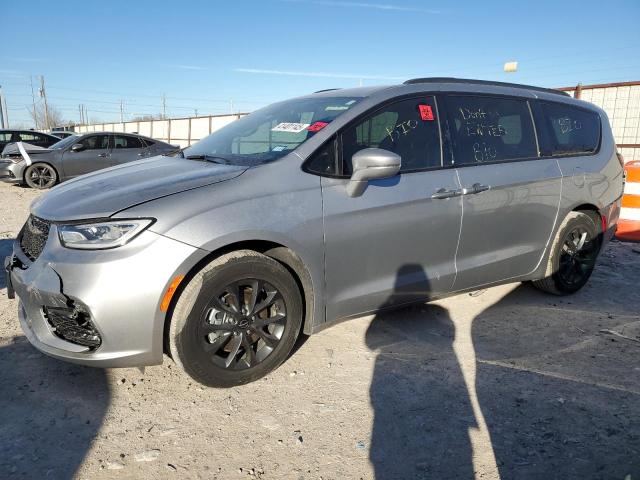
(475, 188)
(444, 193)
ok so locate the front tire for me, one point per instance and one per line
(236, 320)
(40, 176)
(573, 255)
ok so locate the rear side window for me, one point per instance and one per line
(490, 129)
(407, 127)
(125, 141)
(28, 137)
(571, 130)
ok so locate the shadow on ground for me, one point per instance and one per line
(50, 412)
(422, 412)
(5, 250)
(559, 395)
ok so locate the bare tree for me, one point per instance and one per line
(147, 117)
(55, 117)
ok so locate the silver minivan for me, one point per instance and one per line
(311, 211)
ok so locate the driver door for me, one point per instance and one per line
(396, 242)
(93, 156)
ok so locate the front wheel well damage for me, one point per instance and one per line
(284, 255)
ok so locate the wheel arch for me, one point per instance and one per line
(588, 208)
(281, 253)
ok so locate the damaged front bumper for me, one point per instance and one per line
(11, 172)
(98, 307)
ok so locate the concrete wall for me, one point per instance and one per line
(177, 131)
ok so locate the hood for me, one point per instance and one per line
(103, 193)
(12, 149)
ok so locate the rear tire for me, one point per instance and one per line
(573, 255)
(236, 320)
(40, 176)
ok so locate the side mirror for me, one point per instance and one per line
(77, 147)
(371, 164)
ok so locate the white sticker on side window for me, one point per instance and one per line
(290, 127)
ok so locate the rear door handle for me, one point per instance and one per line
(475, 188)
(444, 193)
(103, 155)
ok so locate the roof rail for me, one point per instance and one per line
(326, 90)
(483, 82)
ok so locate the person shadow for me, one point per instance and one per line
(50, 412)
(422, 410)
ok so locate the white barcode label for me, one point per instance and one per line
(290, 127)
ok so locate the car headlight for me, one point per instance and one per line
(98, 236)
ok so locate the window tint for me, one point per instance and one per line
(408, 128)
(490, 129)
(125, 141)
(149, 142)
(95, 142)
(5, 137)
(571, 129)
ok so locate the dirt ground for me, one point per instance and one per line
(506, 383)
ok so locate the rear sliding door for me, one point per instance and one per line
(510, 195)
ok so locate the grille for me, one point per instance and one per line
(73, 326)
(34, 236)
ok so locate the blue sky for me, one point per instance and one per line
(216, 55)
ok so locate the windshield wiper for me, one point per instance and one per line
(208, 158)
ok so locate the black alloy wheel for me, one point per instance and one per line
(243, 323)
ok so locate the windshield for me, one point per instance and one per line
(270, 133)
(64, 142)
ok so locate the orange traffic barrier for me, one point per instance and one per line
(629, 222)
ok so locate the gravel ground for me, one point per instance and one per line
(505, 383)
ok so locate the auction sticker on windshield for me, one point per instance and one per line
(290, 127)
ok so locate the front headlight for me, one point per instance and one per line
(98, 236)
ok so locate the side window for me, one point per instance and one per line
(490, 129)
(125, 141)
(323, 160)
(571, 130)
(5, 137)
(408, 128)
(148, 142)
(95, 142)
(27, 137)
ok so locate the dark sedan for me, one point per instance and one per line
(27, 136)
(75, 156)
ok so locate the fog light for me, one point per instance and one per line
(73, 325)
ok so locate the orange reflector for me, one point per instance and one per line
(166, 300)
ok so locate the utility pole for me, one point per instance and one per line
(121, 112)
(86, 115)
(33, 99)
(4, 115)
(43, 94)
(164, 106)
(80, 112)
